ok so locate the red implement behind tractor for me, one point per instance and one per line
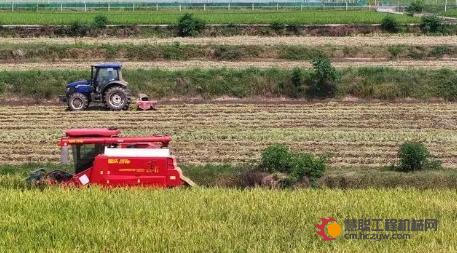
(143, 103)
(102, 157)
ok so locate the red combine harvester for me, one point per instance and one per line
(102, 157)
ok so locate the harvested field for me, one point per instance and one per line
(202, 64)
(256, 40)
(355, 135)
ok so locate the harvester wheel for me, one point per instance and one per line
(117, 98)
(78, 101)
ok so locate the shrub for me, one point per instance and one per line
(390, 24)
(278, 158)
(303, 164)
(100, 21)
(415, 7)
(448, 89)
(431, 24)
(297, 81)
(278, 26)
(189, 25)
(323, 80)
(297, 77)
(78, 28)
(415, 156)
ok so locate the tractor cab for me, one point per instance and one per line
(105, 73)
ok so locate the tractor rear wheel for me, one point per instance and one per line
(78, 102)
(117, 98)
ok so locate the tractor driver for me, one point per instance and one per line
(105, 76)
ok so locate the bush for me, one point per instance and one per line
(100, 21)
(278, 26)
(278, 158)
(448, 89)
(390, 24)
(78, 28)
(323, 80)
(415, 7)
(303, 164)
(431, 24)
(190, 26)
(415, 156)
(296, 79)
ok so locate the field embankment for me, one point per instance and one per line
(364, 83)
(246, 175)
(212, 30)
(39, 52)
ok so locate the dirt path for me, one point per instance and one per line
(255, 40)
(175, 65)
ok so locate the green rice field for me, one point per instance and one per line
(211, 17)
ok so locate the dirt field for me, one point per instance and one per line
(356, 135)
(255, 40)
(175, 65)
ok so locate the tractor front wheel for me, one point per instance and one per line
(78, 102)
(117, 98)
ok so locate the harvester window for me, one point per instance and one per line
(84, 155)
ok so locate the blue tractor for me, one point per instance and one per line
(104, 86)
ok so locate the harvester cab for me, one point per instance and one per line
(101, 157)
(106, 86)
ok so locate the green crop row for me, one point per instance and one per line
(378, 83)
(211, 17)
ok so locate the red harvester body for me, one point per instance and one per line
(104, 158)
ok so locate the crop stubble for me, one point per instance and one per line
(371, 40)
(356, 135)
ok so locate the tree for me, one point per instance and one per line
(324, 78)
